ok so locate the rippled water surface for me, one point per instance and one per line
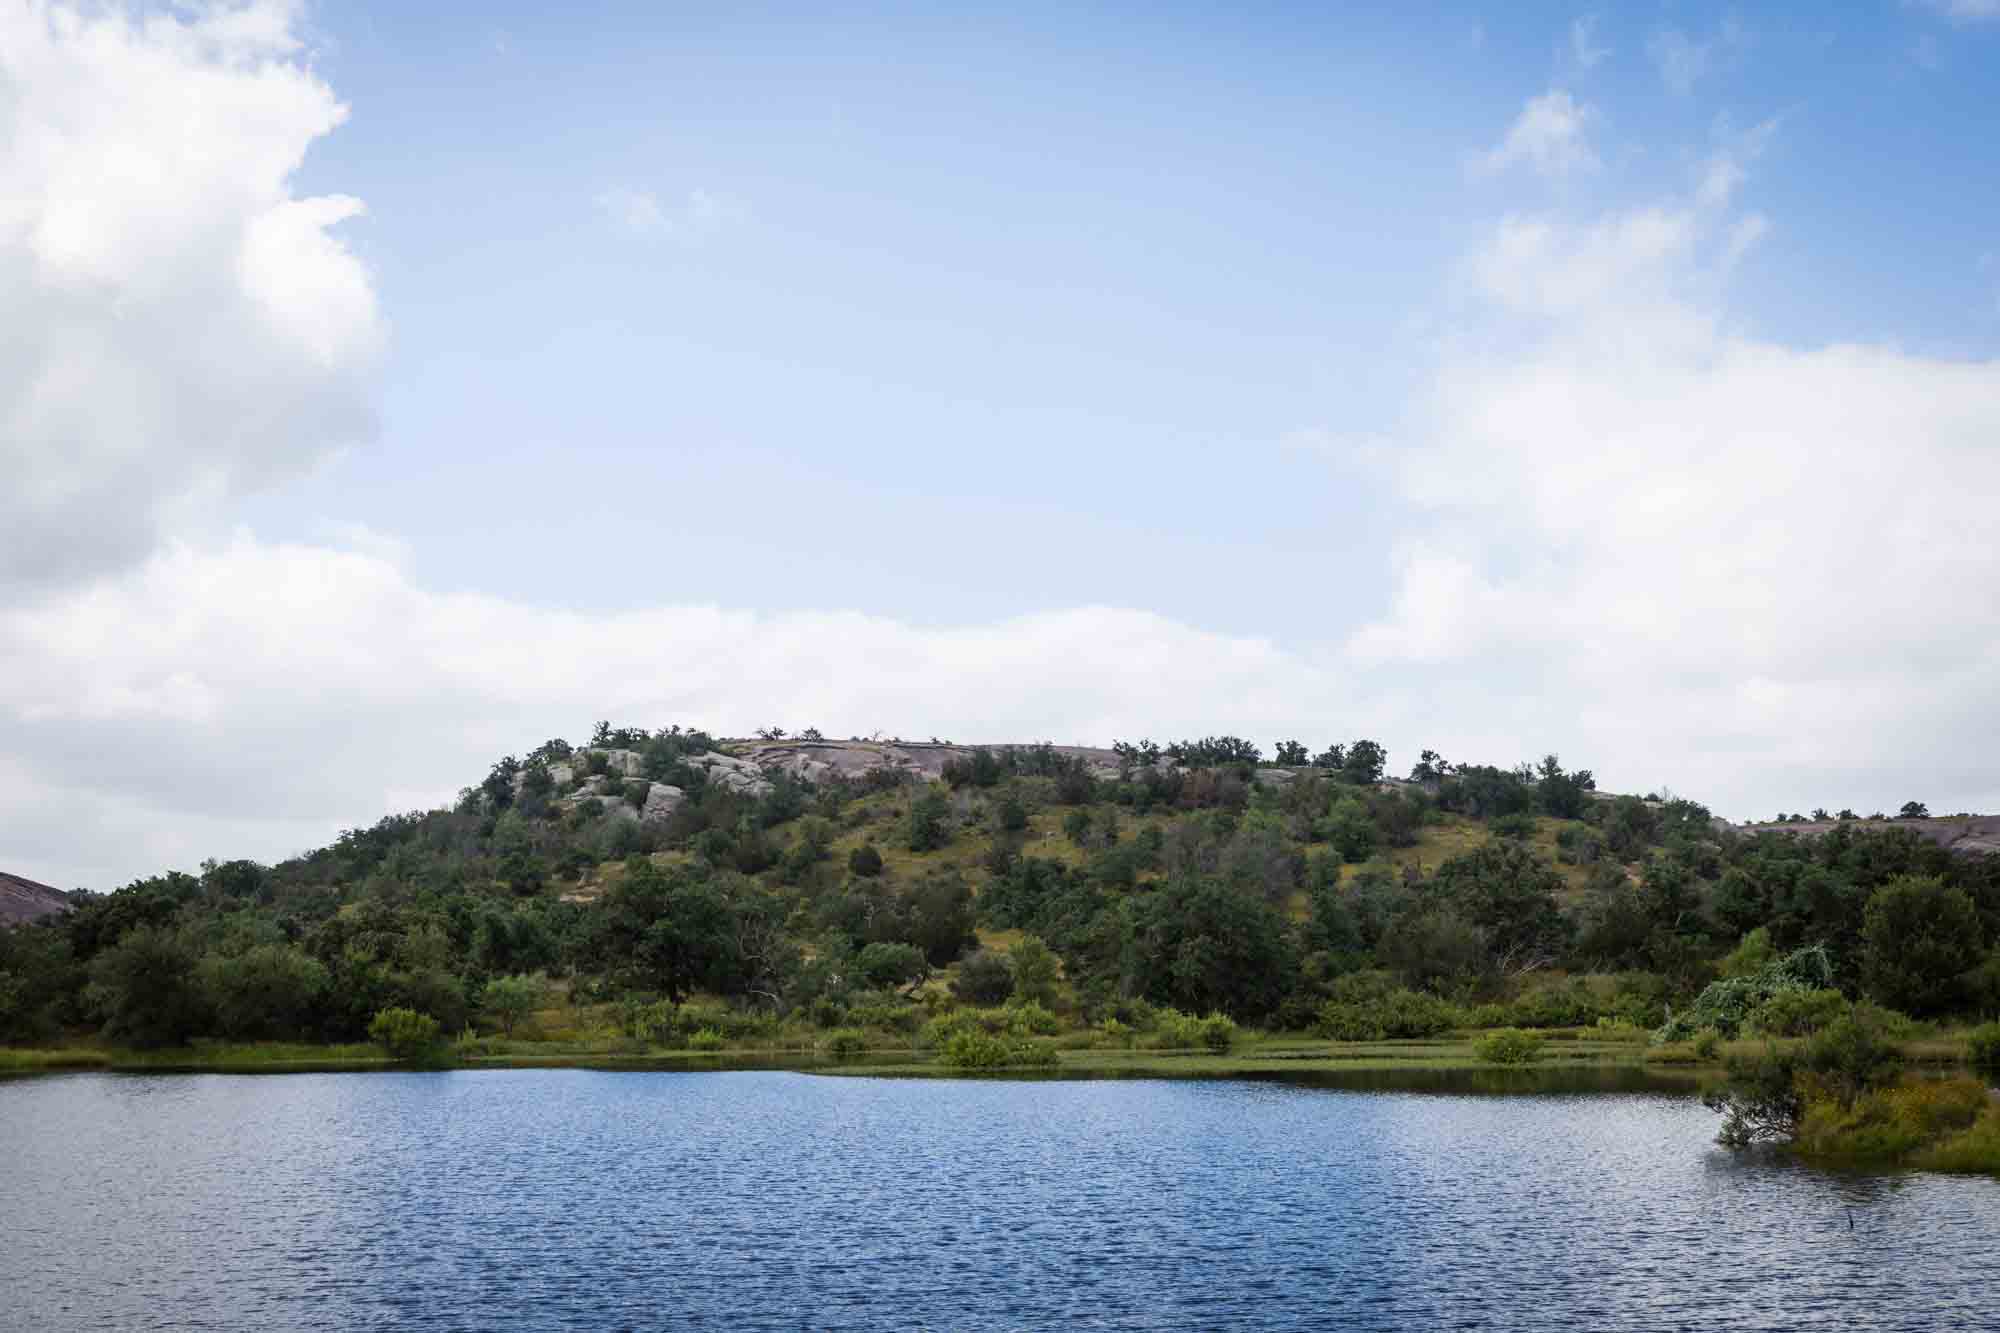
(560, 1199)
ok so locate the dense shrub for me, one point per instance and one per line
(844, 1042)
(1509, 1046)
(404, 1033)
(1725, 1005)
(1983, 1048)
(1797, 1013)
(1400, 1015)
(986, 1050)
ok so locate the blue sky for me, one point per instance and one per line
(1072, 273)
(1498, 379)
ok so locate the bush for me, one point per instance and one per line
(1509, 1046)
(1724, 1005)
(865, 861)
(1218, 1033)
(707, 1039)
(404, 1033)
(985, 1050)
(843, 1043)
(1399, 1015)
(1708, 1045)
(1033, 1018)
(1797, 1013)
(1982, 1046)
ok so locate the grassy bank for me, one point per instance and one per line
(1082, 1055)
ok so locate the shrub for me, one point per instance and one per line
(985, 1050)
(843, 1043)
(1708, 1045)
(1724, 1005)
(1797, 1013)
(1399, 1015)
(1218, 1033)
(642, 1021)
(1033, 1018)
(404, 1033)
(865, 861)
(1983, 1048)
(707, 1039)
(1115, 1031)
(1509, 1046)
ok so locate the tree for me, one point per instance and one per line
(269, 991)
(510, 999)
(983, 978)
(1364, 763)
(1430, 767)
(1035, 971)
(889, 966)
(1563, 795)
(1291, 754)
(1914, 810)
(940, 916)
(930, 822)
(1918, 937)
(865, 861)
(1510, 894)
(145, 988)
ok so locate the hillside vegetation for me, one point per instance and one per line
(986, 905)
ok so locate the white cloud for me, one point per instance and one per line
(1583, 42)
(1684, 61)
(1749, 565)
(251, 699)
(640, 213)
(181, 327)
(1548, 135)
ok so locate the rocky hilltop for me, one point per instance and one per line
(23, 900)
(747, 766)
(1958, 833)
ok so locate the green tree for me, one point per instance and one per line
(940, 916)
(1918, 937)
(983, 978)
(888, 966)
(865, 861)
(1035, 971)
(508, 1000)
(145, 988)
(930, 822)
(1364, 763)
(269, 991)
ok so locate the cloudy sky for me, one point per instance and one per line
(388, 387)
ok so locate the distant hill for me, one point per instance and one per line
(23, 900)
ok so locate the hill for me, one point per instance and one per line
(876, 883)
(23, 900)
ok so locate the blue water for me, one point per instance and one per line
(566, 1199)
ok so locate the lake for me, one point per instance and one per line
(573, 1199)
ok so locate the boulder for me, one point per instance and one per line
(661, 801)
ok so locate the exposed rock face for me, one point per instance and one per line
(727, 771)
(24, 900)
(661, 801)
(1958, 833)
(624, 763)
